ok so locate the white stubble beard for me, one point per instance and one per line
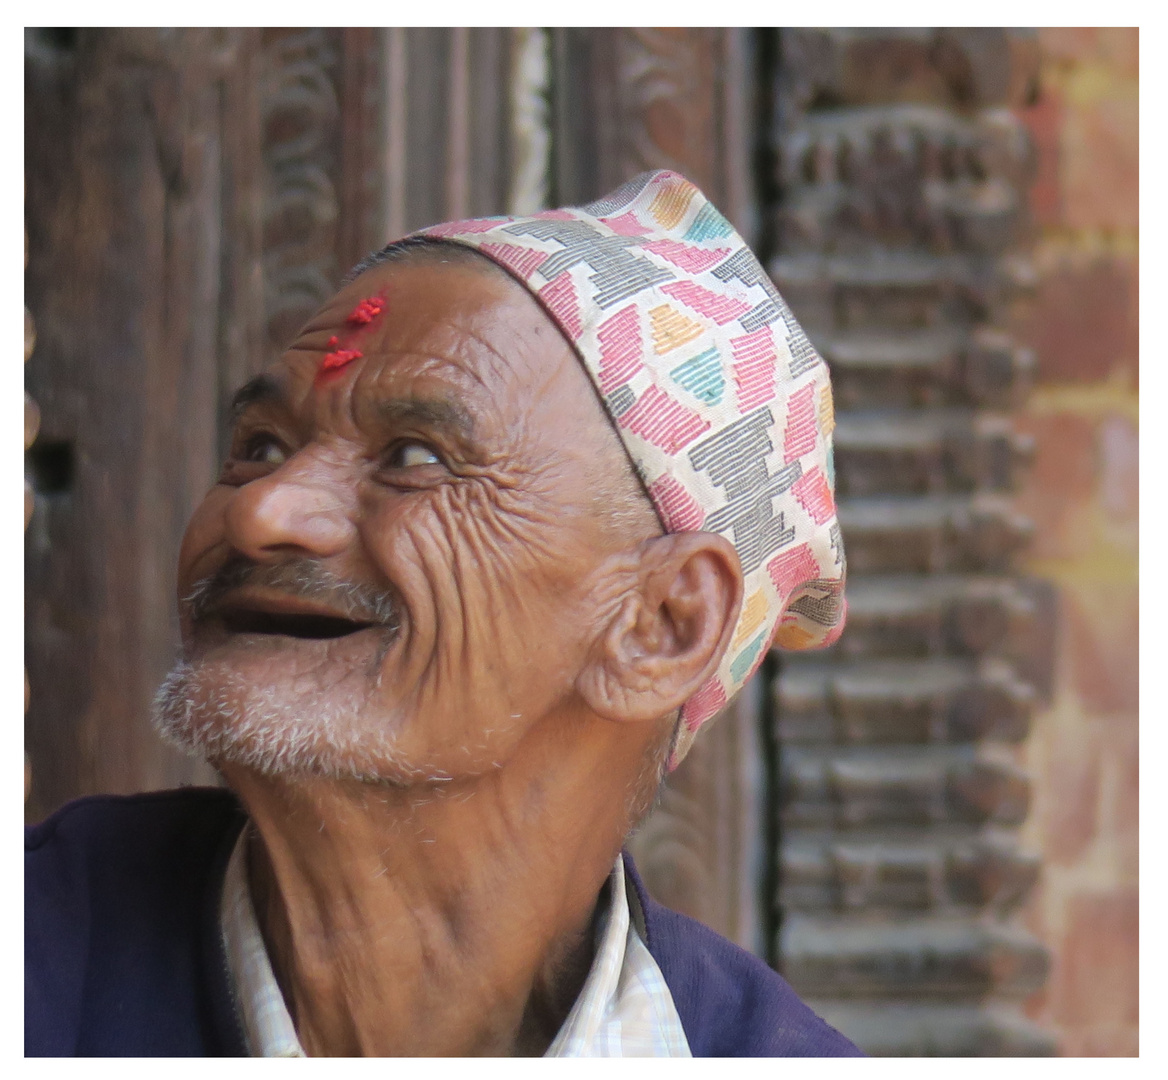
(217, 715)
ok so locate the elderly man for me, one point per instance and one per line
(519, 510)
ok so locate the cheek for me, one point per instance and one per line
(493, 598)
(509, 562)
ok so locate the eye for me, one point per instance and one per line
(264, 449)
(405, 455)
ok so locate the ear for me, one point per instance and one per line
(669, 635)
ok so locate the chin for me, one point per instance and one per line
(212, 711)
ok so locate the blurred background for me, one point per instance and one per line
(930, 829)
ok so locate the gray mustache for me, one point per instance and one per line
(306, 579)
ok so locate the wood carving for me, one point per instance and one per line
(899, 227)
(32, 423)
(301, 158)
(139, 143)
(530, 129)
(668, 101)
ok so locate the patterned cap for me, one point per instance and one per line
(723, 405)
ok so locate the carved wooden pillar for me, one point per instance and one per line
(630, 99)
(447, 148)
(368, 135)
(32, 424)
(143, 271)
(899, 232)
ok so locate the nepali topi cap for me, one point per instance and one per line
(722, 403)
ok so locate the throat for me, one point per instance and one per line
(384, 946)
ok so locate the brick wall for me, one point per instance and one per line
(1082, 494)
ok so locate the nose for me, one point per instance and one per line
(299, 509)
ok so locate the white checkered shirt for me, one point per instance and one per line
(624, 1010)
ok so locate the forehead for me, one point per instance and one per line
(441, 322)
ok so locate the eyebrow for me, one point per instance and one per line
(255, 391)
(441, 413)
(438, 413)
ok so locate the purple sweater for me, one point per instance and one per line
(123, 954)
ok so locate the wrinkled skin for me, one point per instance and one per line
(441, 901)
(493, 552)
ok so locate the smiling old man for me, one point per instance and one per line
(520, 509)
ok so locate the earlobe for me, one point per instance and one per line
(668, 636)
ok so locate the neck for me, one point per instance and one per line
(438, 920)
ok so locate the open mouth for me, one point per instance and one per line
(316, 627)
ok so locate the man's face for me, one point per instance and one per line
(401, 569)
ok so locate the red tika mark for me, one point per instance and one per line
(620, 348)
(559, 296)
(704, 704)
(366, 311)
(626, 225)
(523, 261)
(714, 305)
(790, 569)
(754, 374)
(679, 509)
(814, 494)
(658, 419)
(692, 259)
(799, 438)
(339, 359)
